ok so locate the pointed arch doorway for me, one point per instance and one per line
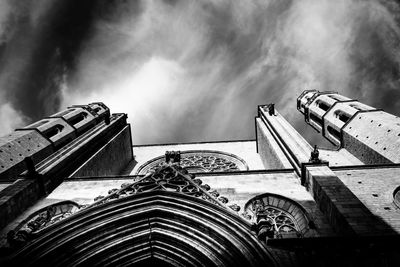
(156, 227)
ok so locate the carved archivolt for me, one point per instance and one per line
(168, 178)
(171, 178)
(169, 227)
(200, 161)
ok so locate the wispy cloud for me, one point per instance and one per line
(196, 70)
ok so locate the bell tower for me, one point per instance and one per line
(370, 134)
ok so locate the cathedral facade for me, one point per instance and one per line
(76, 191)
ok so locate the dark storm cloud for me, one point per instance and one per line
(40, 43)
(196, 70)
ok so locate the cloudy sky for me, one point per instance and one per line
(194, 70)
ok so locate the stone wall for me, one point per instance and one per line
(269, 150)
(373, 137)
(374, 187)
(111, 159)
(345, 212)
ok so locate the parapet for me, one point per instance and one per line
(42, 138)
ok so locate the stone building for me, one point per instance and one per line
(76, 191)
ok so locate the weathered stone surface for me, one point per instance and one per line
(373, 137)
(345, 212)
(111, 159)
(81, 118)
(15, 147)
(269, 150)
(375, 188)
(57, 130)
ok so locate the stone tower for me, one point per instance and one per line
(76, 191)
(370, 134)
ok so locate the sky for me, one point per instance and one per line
(188, 70)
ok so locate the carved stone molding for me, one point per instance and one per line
(39, 220)
(170, 177)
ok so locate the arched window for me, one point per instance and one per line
(333, 132)
(316, 119)
(56, 129)
(78, 118)
(40, 219)
(322, 105)
(341, 115)
(396, 196)
(276, 216)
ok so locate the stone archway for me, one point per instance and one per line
(156, 226)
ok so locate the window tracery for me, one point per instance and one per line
(274, 222)
(169, 178)
(41, 219)
(200, 161)
(276, 217)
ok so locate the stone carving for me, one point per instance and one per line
(198, 161)
(270, 108)
(41, 219)
(271, 222)
(314, 158)
(168, 177)
(172, 156)
(235, 207)
(208, 164)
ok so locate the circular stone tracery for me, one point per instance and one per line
(277, 217)
(200, 161)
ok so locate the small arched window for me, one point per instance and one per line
(316, 119)
(341, 115)
(56, 129)
(276, 216)
(78, 118)
(333, 132)
(322, 105)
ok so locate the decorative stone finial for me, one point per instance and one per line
(270, 108)
(172, 157)
(315, 156)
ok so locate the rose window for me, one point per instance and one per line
(200, 161)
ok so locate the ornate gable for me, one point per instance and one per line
(170, 177)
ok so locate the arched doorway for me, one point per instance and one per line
(156, 227)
